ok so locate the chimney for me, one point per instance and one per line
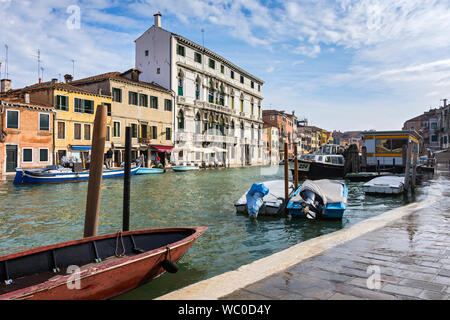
(27, 98)
(5, 85)
(68, 78)
(157, 20)
(54, 80)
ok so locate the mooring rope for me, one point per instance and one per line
(119, 234)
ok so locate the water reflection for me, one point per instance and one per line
(38, 215)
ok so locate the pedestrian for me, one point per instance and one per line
(109, 156)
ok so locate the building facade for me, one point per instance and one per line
(285, 123)
(74, 116)
(217, 114)
(273, 144)
(310, 137)
(26, 135)
(146, 107)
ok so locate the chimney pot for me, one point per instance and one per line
(27, 98)
(157, 19)
(5, 85)
(68, 78)
(54, 80)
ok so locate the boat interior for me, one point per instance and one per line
(34, 268)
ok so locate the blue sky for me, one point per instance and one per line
(344, 64)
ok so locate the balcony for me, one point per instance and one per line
(144, 140)
(181, 99)
(182, 136)
(212, 106)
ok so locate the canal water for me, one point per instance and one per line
(44, 214)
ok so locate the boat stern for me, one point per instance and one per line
(18, 179)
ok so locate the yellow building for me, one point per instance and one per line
(146, 107)
(74, 118)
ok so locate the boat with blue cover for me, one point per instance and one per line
(319, 199)
(60, 175)
(185, 168)
(150, 170)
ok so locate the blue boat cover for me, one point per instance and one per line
(80, 147)
(255, 197)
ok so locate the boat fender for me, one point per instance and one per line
(168, 264)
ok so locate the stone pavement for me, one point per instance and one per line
(412, 255)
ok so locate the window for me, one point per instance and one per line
(116, 129)
(197, 57)
(242, 79)
(259, 111)
(108, 106)
(167, 104)
(222, 69)
(212, 64)
(143, 100)
(232, 102)
(251, 108)
(12, 119)
(180, 121)
(117, 94)
(434, 138)
(44, 122)
(242, 105)
(146, 53)
(132, 98)
(154, 132)
(180, 50)
(134, 130)
(158, 70)
(43, 155)
(108, 133)
(87, 132)
(77, 131)
(83, 106)
(197, 90)
(27, 155)
(89, 106)
(433, 125)
(259, 87)
(153, 102)
(61, 130)
(180, 86)
(211, 94)
(397, 145)
(144, 131)
(252, 84)
(232, 74)
(168, 133)
(62, 103)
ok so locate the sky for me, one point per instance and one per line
(344, 65)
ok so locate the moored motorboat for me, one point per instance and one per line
(150, 170)
(63, 175)
(364, 176)
(385, 185)
(104, 266)
(319, 199)
(185, 168)
(273, 203)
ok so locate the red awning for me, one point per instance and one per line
(163, 148)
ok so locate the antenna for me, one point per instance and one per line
(73, 68)
(203, 37)
(42, 73)
(39, 64)
(6, 61)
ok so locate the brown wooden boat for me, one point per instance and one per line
(109, 264)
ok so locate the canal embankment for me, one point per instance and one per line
(400, 254)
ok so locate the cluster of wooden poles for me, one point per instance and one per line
(96, 173)
(286, 170)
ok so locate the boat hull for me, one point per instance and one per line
(29, 177)
(185, 168)
(108, 278)
(150, 171)
(317, 170)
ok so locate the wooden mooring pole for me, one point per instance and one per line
(295, 167)
(414, 164)
(407, 167)
(126, 181)
(286, 172)
(95, 172)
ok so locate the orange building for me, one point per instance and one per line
(26, 135)
(285, 123)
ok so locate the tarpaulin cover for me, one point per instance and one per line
(255, 197)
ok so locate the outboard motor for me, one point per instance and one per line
(312, 207)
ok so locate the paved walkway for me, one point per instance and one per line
(412, 254)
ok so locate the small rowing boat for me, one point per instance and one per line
(319, 199)
(150, 170)
(385, 185)
(63, 175)
(185, 168)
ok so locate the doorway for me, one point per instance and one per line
(11, 158)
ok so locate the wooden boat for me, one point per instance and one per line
(58, 176)
(185, 168)
(109, 264)
(319, 199)
(273, 202)
(385, 185)
(363, 176)
(142, 170)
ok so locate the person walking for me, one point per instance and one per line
(109, 156)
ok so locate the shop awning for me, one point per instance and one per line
(80, 147)
(162, 148)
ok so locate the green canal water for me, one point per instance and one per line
(38, 215)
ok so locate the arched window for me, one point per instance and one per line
(180, 82)
(197, 88)
(252, 132)
(211, 92)
(221, 96)
(232, 128)
(242, 129)
(198, 123)
(259, 133)
(221, 126)
(242, 103)
(180, 120)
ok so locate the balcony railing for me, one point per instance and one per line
(144, 140)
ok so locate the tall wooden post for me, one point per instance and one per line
(95, 172)
(126, 181)
(364, 159)
(408, 166)
(295, 167)
(286, 172)
(415, 151)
